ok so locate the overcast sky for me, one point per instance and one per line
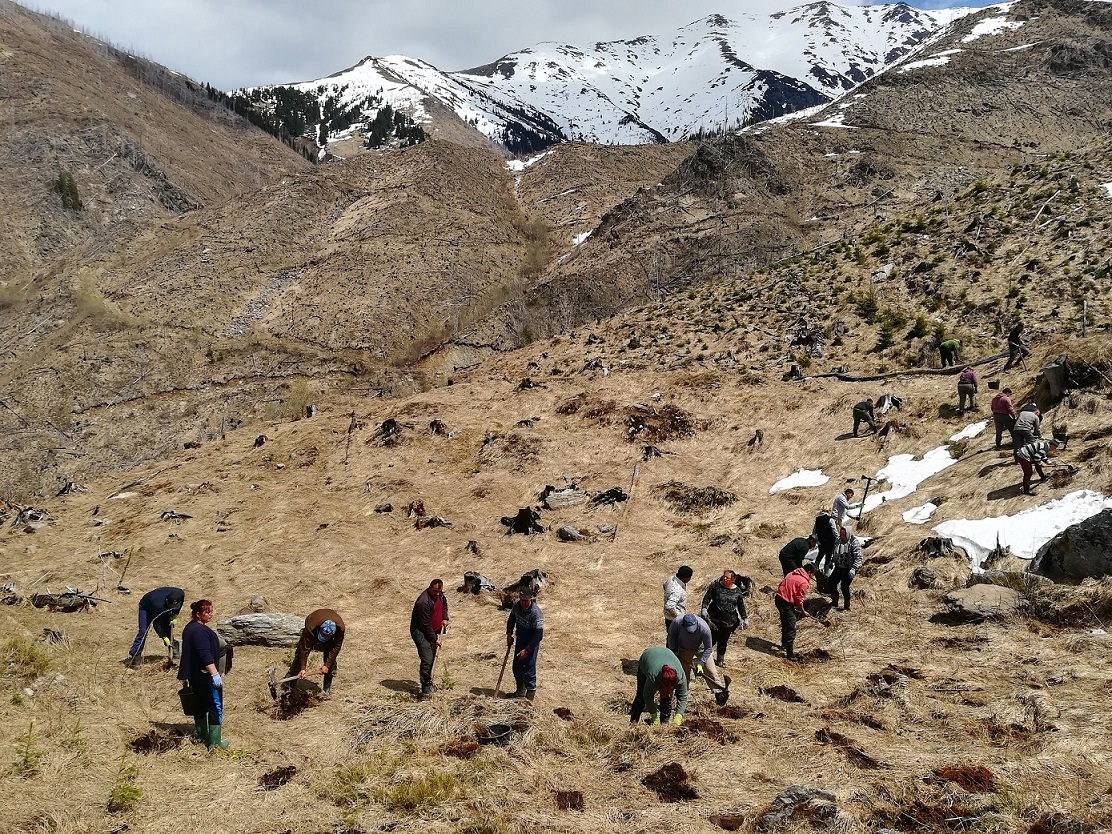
(237, 43)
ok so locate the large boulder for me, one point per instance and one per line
(1080, 551)
(819, 802)
(983, 602)
(276, 630)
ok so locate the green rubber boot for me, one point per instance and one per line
(200, 732)
(214, 737)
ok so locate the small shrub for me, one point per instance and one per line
(65, 187)
(421, 792)
(28, 754)
(920, 329)
(125, 793)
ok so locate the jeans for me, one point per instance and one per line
(210, 699)
(525, 669)
(840, 579)
(160, 623)
(426, 650)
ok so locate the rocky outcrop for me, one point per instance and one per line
(276, 630)
(1078, 552)
(983, 602)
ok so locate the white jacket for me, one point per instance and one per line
(675, 598)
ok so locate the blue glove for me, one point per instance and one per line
(217, 681)
(852, 573)
(745, 623)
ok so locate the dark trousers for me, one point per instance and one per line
(161, 625)
(839, 580)
(788, 564)
(426, 650)
(1016, 353)
(826, 552)
(860, 417)
(1021, 438)
(946, 356)
(210, 699)
(295, 668)
(525, 669)
(1029, 469)
(789, 616)
(1003, 423)
(638, 706)
(721, 636)
(967, 391)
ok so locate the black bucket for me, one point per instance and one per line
(188, 700)
(994, 384)
(495, 734)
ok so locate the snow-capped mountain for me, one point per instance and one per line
(711, 74)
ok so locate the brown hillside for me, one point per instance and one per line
(746, 201)
(138, 140)
(888, 701)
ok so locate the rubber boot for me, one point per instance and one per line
(517, 693)
(200, 732)
(214, 737)
(789, 651)
(530, 694)
(136, 660)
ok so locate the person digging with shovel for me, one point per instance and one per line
(528, 620)
(789, 602)
(323, 632)
(158, 609)
(690, 639)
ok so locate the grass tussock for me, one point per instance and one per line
(687, 500)
(23, 658)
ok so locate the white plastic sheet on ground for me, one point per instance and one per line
(800, 478)
(905, 473)
(1026, 531)
(969, 431)
(921, 514)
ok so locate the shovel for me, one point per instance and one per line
(505, 660)
(272, 681)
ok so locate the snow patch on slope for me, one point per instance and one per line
(1026, 531)
(991, 26)
(800, 478)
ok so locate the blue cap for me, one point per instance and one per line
(690, 622)
(326, 630)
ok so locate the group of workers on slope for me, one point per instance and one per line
(204, 657)
(831, 552)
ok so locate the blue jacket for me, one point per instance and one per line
(529, 623)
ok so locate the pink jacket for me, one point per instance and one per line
(793, 587)
(1002, 404)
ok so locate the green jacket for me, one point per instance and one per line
(652, 663)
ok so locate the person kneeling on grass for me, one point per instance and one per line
(659, 672)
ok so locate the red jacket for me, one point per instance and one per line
(1002, 404)
(793, 588)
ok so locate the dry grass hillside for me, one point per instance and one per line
(887, 701)
(905, 140)
(129, 135)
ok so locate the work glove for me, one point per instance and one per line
(678, 719)
(745, 623)
(166, 640)
(656, 720)
(174, 621)
(509, 638)
(217, 681)
(852, 573)
(698, 670)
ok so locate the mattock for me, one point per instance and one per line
(868, 483)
